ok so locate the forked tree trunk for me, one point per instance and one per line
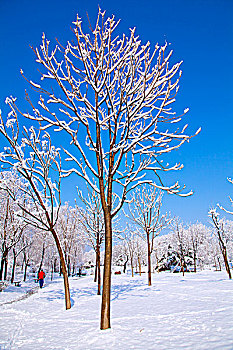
(106, 293)
(64, 270)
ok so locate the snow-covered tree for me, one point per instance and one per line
(145, 211)
(182, 245)
(69, 230)
(196, 236)
(113, 96)
(92, 221)
(36, 160)
(129, 237)
(224, 236)
(11, 223)
(120, 255)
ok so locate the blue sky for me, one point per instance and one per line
(199, 32)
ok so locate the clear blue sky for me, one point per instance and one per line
(200, 33)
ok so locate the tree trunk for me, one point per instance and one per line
(13, 266)
(106, 293)
(69, 268)
(195, 262)
(42, 257)
(140, 266)
(24, 261)
(226, 263)
(52, 267)
(63, 269)
(55, 269)
(25, 269)
(125, 264)
(182, 267)
(5, 267)
(3, 264)
(96, 272)
(74, 269)
(131, 263)
(149, 260)
(98, 268)
(2, 267)
(99, 276)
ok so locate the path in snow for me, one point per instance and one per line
(25, 296)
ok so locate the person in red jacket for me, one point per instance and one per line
(41, 276)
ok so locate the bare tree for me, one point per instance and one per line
(182, 244)
(145, 211)
(117, 93)
(92, 221)
(11, 225)
(35, 161)
(129, 238)
(196, 236)
(222, 237)
(69, 229)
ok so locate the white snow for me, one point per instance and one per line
(190, 312)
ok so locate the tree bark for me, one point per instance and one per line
(140, 266)
(226, 263)
(64, 270)
(106, 294)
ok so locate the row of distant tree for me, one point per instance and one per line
(139, 244)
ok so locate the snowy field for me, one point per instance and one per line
(190, 312)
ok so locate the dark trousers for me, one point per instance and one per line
(41, 282)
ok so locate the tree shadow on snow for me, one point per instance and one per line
(121, 290)
(82, 292)
(57, 294)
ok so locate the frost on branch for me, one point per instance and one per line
(118, 94)
(34, 160)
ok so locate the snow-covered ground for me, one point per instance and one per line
(190, 312)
